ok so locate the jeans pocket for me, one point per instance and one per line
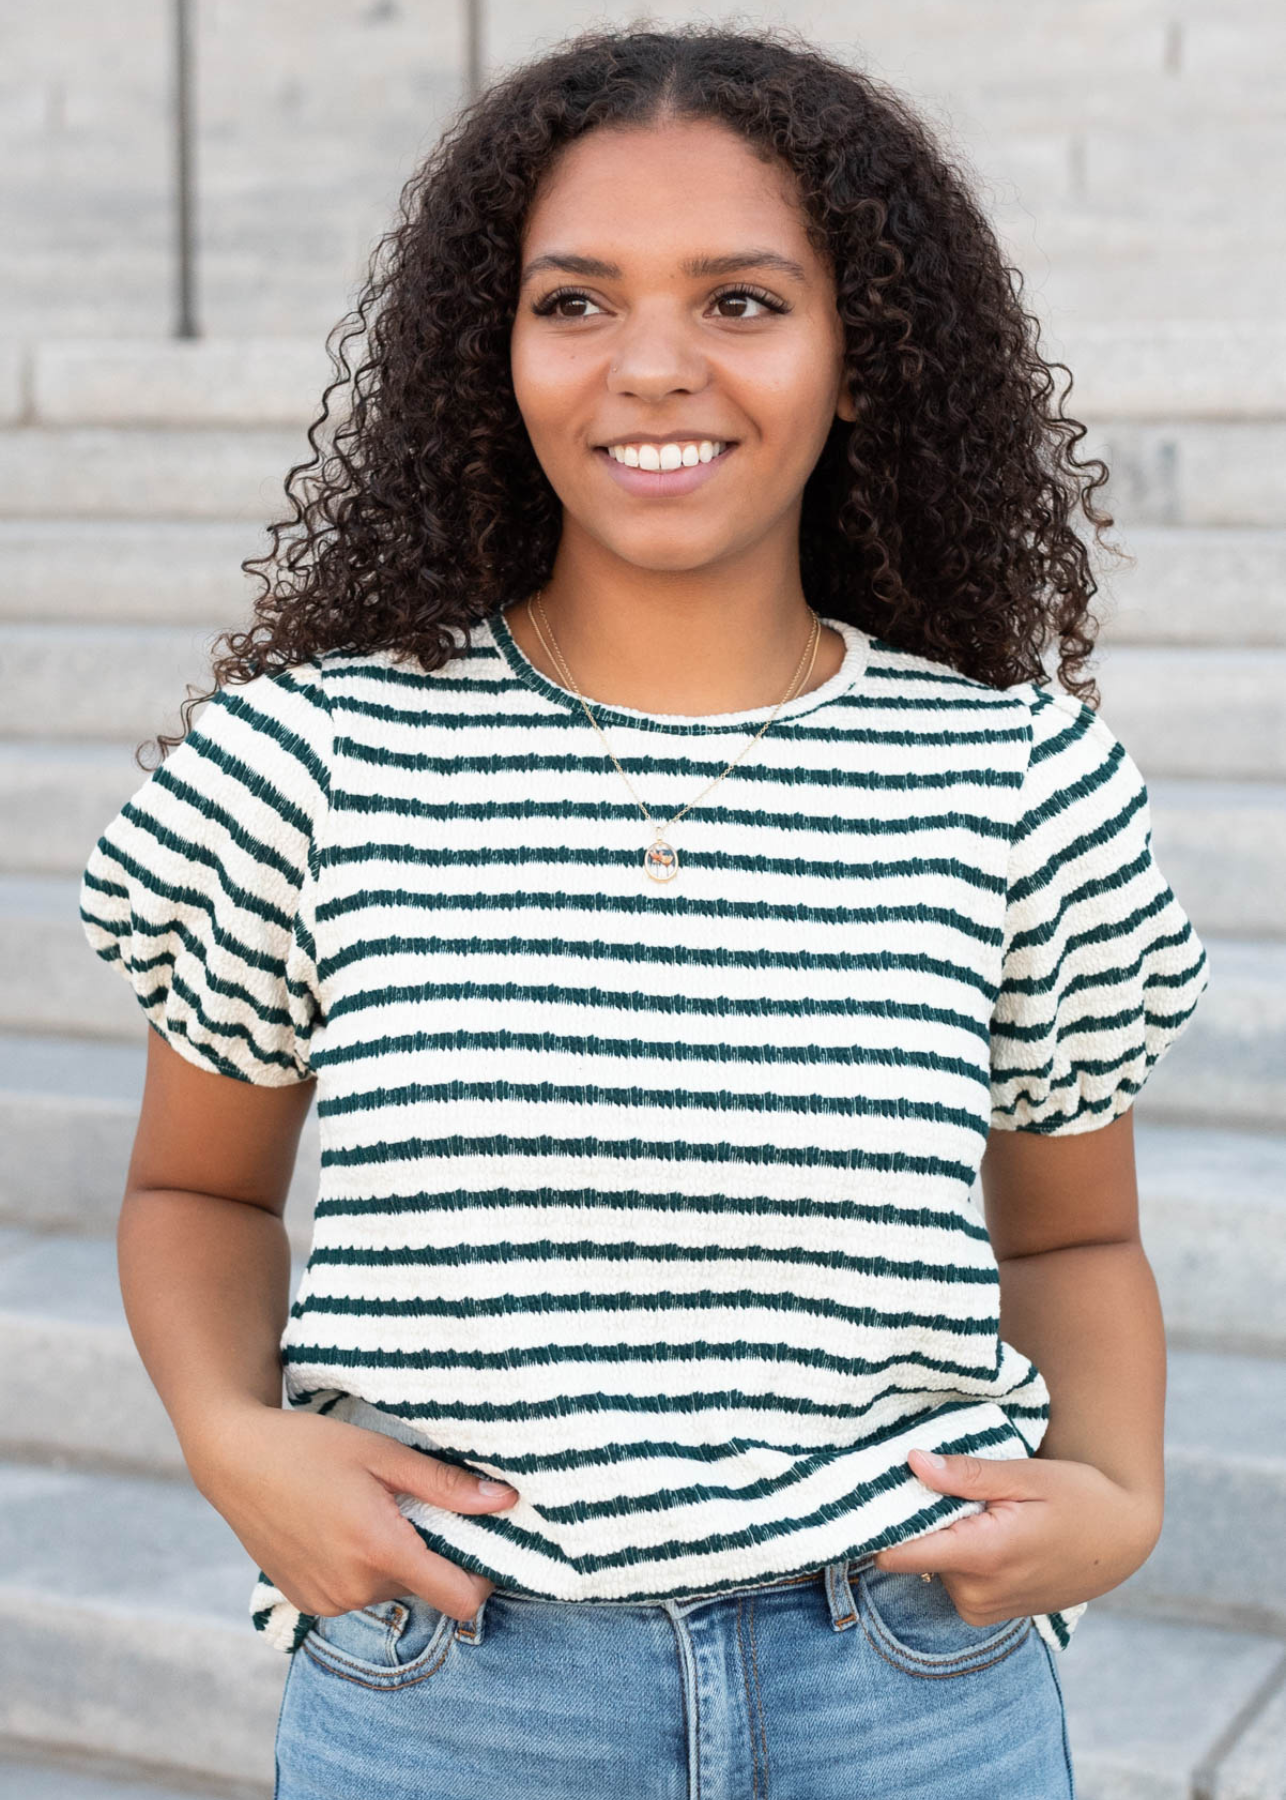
(915, 1625)
(388, 1644)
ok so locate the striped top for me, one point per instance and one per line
(655, 1199)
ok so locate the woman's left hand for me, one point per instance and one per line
(1053, 1533)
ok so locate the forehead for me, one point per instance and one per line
(678, 188)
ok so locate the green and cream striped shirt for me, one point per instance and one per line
(656, 1200)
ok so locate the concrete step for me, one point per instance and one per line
(138, 1591)
(127, 571)
(1191, 585)
(1228, 1068)
(1163, 369)
(120, 682)
(55, 798)
(68, 1113)
(1212, 1213)
(1225, 1465)
(1189, 472)
(262, 381)
(1222, 846)
(1159, 1710)
(1189, 711)
(29, 1773)
(79, 1395)
(147, 1588)
(1173, 472)
(1209, 711)
(127, 472)
(1083, 264)
(1219, 585)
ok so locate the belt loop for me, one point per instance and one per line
(839, 1594)
(469, 1631)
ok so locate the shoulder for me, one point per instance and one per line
(907, 679)
(1077, 763)
(262, 743)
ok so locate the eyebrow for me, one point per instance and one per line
(693, 265)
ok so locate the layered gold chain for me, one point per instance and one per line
(660, 859)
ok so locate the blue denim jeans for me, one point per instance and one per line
(849, 1681)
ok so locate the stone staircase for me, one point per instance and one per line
(1115, 139)
(134, 476)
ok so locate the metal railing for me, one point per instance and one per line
(186, 319)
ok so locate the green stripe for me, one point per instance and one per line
(794, 775)
(665, 1150)
(1071, 732)
(694, 1100)
(1061, 862)
(1106, 932)
(642, 1049)
(290, 741)
(1060, 798)
(626, 1000)
(797, 912)
(501, 1525)
(626, 1250)
(657, 1406)
(752, 1206)
(533, 723)
(903, 672)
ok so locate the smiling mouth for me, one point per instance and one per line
(726, 444)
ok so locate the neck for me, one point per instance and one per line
(677, 647)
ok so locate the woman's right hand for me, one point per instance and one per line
(313, 1501)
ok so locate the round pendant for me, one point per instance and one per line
(661, 861)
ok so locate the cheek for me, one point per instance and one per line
(547, 379)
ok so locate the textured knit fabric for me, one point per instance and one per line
(657, 1201)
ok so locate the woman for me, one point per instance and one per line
(642, 815)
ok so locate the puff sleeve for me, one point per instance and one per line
(199, 891)
(1101, 968)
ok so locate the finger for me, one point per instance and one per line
(949, 1547)
(426, 1477)
(980, 1477)
(415, 1569)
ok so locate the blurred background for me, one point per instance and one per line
(190, 193)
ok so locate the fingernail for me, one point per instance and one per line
(495, 1487)
(933, 1459)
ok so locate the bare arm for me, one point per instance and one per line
(202, 1250)
(1078, 1296)
(204, 1264)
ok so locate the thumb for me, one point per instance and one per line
(424, 1476)
(977, 1477)
(404, 1556)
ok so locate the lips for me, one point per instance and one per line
(662, 484)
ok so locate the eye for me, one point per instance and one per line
(749, 293)
(551, 305)
(547, 308)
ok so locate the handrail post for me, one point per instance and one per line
(186, 325)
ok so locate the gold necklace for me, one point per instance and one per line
(660, 859)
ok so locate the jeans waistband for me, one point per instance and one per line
(835, 1577)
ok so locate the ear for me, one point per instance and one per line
(844, 405)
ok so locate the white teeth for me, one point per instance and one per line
(666, 456)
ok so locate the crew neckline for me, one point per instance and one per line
(857, 645)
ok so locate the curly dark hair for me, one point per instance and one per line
(938, 521)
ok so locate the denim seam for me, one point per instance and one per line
(1062, 1707)
(412, 1678)
(960, 1665)
(759, 1709)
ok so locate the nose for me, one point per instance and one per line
(655, 354)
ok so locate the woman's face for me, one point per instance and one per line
(620, 336)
